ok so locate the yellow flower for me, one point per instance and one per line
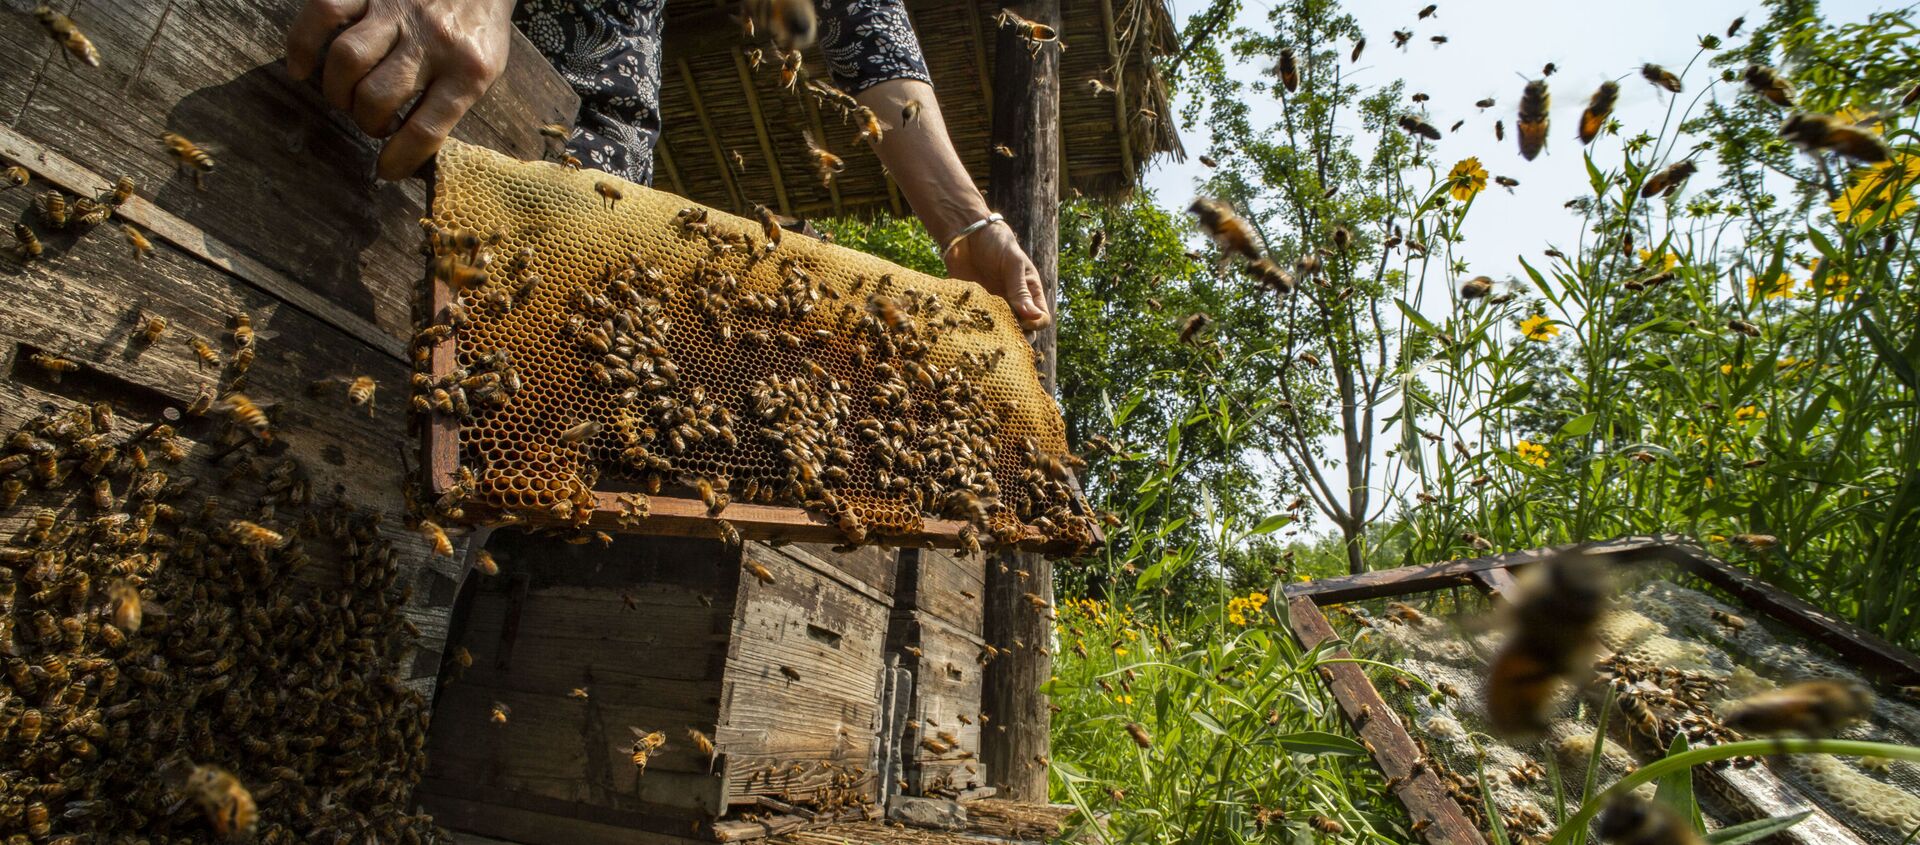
(1236, 618)
(1120, 651)
(1726, 369)
(1539, 328)
(1747, 413)
(1834, 283)
(1867, 119)
(1468, 178)
(1780, 288)
(1532, 453)
(1123, 699)
(1887, 182)
(1664, 261)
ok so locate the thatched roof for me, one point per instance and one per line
(710, 112)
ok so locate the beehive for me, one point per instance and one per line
(605, 331)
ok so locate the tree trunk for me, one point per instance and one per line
(1026, 188)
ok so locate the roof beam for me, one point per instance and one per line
(713, 140)
(666, 160)
(1122, 121)
(980, 58)
(760, 129)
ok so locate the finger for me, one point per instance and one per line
(353, 54)
(1037, 295)
(1019, 296)
(317, 21)
(426, 129)
(379, 97)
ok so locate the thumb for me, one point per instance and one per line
(1027, 298)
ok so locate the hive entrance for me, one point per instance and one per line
(596, 345)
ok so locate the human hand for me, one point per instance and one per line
(993, 257)
(445, 52)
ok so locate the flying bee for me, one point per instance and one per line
(436, 537)
(142, 248)
(556, 131)
(484, 562)
(246, 413)
(701, 742)
(1548, 69)
(254, 535)
(609, 194)
(25, 244)
(1743, 327)
(1415, 126)
(63, 31)
(1552, 616)
(1428, 11)
(1037, 34)
(225, 801)
(580, 433)
(825, 164)
(1288, 69)
(1098, 86)
(125, 601)
(1660, 77)
(1598, 109)
(1359, 47)
(1401, 37)
(1139, 735)
(1230, 233)
(1768, 83)
(1191, 327)
(1532, 120)
(1438, 40)
(1477, 287)
(360, 393)
(911, 112)
(1004, 151)
(1809, 708)
(794, 24)
(499, 713)
(871, 130)
(1507, 182)
(770, 225)
(1825, 132)
(790, 673)
(1729, 620)
(1326, 825)
(189, 157)
(759, 571)
(1754, 542)
(1634, 821)
(1668, 181)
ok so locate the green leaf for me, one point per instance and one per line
(1579, 426)
(1272, 524)
(1320, 742)
(1902, 368)
(1211, 724)
(1755, 830)
(1414, 315)
(1497, 827)
(1676, 790)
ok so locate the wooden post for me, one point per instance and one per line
(1025, 188)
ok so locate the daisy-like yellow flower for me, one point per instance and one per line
(1120, 651)
(1539, 328)
(1658, 263)
(1889, 182)
(1748, 413)
(1532, 453)
(1236, 618)
(1123, 699)
(1468, 178)
(1867, 119)
(1780, 288)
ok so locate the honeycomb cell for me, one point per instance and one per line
(660, 345)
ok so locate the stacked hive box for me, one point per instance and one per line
(936, 629)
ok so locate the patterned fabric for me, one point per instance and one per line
(609, 51)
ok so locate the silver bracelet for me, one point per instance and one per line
(964, 233)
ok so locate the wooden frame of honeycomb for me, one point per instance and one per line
(606, 356)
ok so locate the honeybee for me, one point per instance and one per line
(1139, 735)
(1428, 11)
(1743, 327)
(1768, 84)
(52, 206)
(1191, 327)
(68, 35)
(1728, 619)
(1476, 288)
(1552, 616)
(248, 414)
(25, 244)
(1667, 181)
(1595, 117)
(189, 157)
(484, 562)
(1037, 34)
(569, 162)
(1325, 825)
(125, 602)
(1288, 69)
(209, 357)
(226, 802)
(13, 177)
(609, 193)
(55, 365)
(1532, 119)
(911, 112)
(581, 432)
(825, 164)
(871, 130)
(1004, 151)
(790, 673)
(1230, 233)
(122, 191)
(1826, 132)
(757, 570)
(499, 713)
(1809, 708)
(1401, 37)
(770, 225)
(556, 131)
(142, 248)
(1754, 542)
(242, 329)
(1660, 77)
(254, 535)
(1415, 126)
(793, 23)
(1507, 182)
(437, 537)
(1633, 821)
(701, 742)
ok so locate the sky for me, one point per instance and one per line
(1491, 45)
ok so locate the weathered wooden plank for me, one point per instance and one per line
(1420, 578)
(945, 586)
(868, 570)
(942, 754)
(213, 73)
(1418, 789)
(534, 820)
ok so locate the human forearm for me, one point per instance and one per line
(922, 159)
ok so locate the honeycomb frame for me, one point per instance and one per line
(742, 369)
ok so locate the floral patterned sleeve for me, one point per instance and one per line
(868, 42)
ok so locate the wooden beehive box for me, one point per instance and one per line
(937, 630)
(589, 647)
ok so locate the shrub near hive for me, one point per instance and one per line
(663, 347)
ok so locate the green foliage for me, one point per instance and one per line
(901, 240)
